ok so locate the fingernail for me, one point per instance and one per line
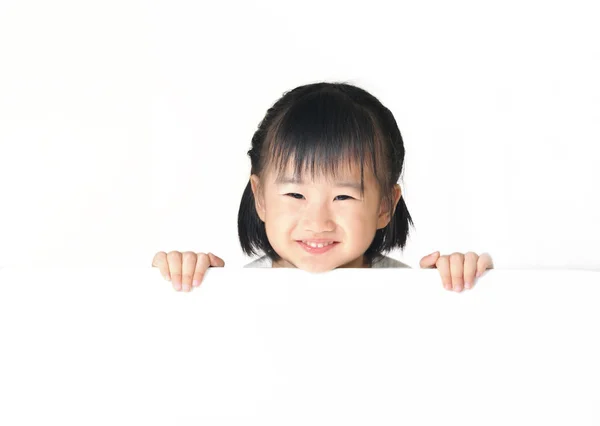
(177, 286)
(478, 274)
(468, 285)
(186, 288)
(167, 278)
(196, 283)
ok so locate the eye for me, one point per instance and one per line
(293, 195)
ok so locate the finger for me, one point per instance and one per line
(443, 266)
(429, 260)
(216, 261)
(160, 261)
(174, 261)
(485, 262)
(470, 268)
(202, 264)
(189, 265)
(457, 261)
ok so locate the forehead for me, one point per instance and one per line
(344, 176)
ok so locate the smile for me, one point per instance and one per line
(317, 248)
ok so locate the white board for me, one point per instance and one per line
(286, 347)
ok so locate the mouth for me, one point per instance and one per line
(318, 248)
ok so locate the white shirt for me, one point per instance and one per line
(386, 262)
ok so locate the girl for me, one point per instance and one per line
(323, 194)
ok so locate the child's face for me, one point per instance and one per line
(321, 209)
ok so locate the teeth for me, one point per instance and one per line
(319, 245)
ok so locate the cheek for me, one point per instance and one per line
(359, 224)
(281, 210)
(359, 213)
(281, 215)
(362, 222)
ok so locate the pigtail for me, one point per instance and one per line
(393, 236)
(400, 224)
(251, 230)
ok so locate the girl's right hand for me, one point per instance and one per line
(181, 268)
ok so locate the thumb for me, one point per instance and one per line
(215, 261)
(429, 260)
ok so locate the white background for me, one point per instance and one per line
(124, 125)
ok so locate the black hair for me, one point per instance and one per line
(324, 124)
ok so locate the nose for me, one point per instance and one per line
(318, 219)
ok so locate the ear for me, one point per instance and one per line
(259, 201)
(384, 215)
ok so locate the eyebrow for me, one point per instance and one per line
(293, 180)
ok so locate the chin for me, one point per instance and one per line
(314, 267)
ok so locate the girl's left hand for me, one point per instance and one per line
(458, 270)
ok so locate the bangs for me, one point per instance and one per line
(325, 134)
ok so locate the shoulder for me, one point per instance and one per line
(261, 262)
(388, 262)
